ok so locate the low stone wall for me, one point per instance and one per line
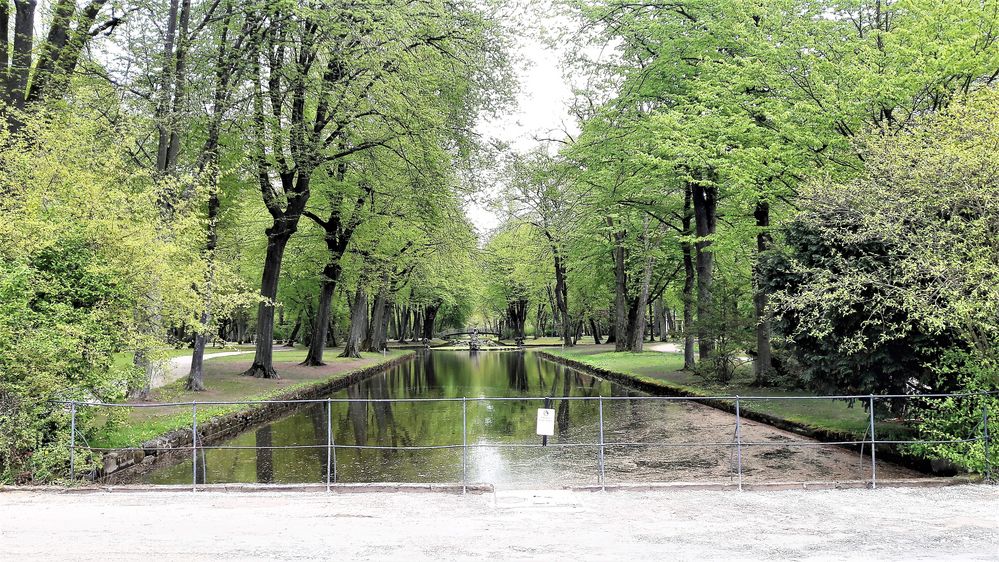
(886, 452)
(120, 465)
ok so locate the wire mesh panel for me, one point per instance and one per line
(460, 417)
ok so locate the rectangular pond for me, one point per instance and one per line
(654, 438)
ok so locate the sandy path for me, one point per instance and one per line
(952, 523)
(179, 367)
(665, 347)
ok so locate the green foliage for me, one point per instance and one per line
(81, 239)
(849, 333)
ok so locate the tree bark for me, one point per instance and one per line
(430, 319)
(358, 324)
(705, 217)
(596, 331)
(196, 378)
(314, 358)
(263, 358)
(293, 336)
(20, 62)
(373, 339)
(638, 331)
(620, 291)
(166, 85)
(562, 298)
(688, 287)
(763, 363)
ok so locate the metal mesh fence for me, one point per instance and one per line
(597, 440)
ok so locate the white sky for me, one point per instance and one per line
(542, 110)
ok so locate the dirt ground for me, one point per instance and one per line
(950, 523)
(658, 436)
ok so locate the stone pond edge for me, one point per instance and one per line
(115, 465)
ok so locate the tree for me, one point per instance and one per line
(890, 271)
(82, 240)
(35, 74)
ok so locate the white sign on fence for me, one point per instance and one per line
(546, 421)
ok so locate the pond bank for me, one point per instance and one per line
(660, 387)
(221, 422)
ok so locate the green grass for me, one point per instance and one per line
(664, 369)
(129, 427)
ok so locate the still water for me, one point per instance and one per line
(492, 426)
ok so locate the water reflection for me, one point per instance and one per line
(437, 374)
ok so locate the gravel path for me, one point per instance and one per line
(952, 523)
(179, 367)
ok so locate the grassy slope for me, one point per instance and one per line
(664, 369)
(131, 426)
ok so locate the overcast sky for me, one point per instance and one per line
(542, 110)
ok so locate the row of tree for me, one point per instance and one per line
(185, 170)
(739, 162)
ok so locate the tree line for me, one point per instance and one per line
(799, 184)
(187, 172)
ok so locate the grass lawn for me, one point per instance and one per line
(129, 427)
(665, 369)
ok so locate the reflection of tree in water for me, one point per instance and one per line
(562, 416)
(265, 455)
(429, 374)
(317, 413)
(357, 413)
(517, 372)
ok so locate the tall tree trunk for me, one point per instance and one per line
(166, 86)
(263, 357)
(374, 336)
(196, 378)
(620, 291)
(659, 315)
(20, 62)
(209, 161)
(638, 336)
(596, 331)
(331, 274)
(4, 45)
(562, 298)
(688, 287)
(418, 323)
(763, 364)
(705, 217)
(358, 324)
(293, 336)
(430, 319)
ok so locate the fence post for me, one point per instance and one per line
(600, 404)
(329, 441)
(985, 438)
(194, 446)
(72, 440)
(874, 459)
(738, 439)
(464, 445)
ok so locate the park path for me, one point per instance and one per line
(665, 347)
(179, 367)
